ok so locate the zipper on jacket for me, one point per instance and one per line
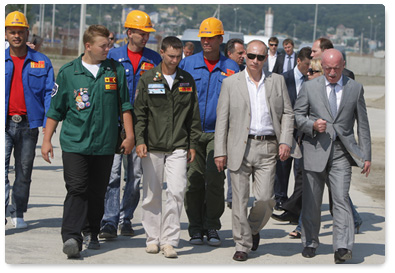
(205, 107)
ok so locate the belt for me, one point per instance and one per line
(17, 118)
(268, 137)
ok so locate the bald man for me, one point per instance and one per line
(325, 111)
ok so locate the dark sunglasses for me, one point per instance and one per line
(111, 38)
(253, 56)
(311, 71)
(273, 44)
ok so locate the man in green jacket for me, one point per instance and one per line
(167, 131)
(85, 98)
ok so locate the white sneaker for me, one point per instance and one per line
(18, 223)
(152, 249)
(168, 251)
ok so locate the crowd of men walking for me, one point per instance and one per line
(188, 117)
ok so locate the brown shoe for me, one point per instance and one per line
(255, 241)
(240, 256)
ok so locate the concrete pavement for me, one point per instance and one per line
(41, 242)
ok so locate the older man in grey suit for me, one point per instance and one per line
(326, 110)
(254, 127)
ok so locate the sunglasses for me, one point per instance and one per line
(253, 56)
(273, 44)
(111, 38)
(311, 71)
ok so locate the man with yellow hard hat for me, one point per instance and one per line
(204, 199)
(136, 59)
(29, 79)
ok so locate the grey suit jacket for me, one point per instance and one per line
(312, 104)
(234, 116)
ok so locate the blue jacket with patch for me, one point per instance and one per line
(38, 81)
(148, 59)
(208, 85)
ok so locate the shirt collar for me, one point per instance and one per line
(339, 82)
(249, 79)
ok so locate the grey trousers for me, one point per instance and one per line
(260, 160)
(338, 176)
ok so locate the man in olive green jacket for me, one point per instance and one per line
(167, 131)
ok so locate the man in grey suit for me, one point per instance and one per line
(325, 111)
(254, 127)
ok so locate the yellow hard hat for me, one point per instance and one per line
(211, 27)
(16, 19)
(139, 20)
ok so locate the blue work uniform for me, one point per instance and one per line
(149, 60)
(38, 80)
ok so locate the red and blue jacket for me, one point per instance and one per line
(38, 80)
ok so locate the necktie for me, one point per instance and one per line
(289, 67)
(333, 100)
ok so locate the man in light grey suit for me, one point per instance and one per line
(325, 111)
(254, 127)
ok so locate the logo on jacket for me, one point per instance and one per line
(39, 64)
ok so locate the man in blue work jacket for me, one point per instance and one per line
(29, 79)
(204, 198)
(136, 59)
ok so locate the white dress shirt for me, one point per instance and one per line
(338, 90)
(271, 61)
(261, 122)
(298, 79)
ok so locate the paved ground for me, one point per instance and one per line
(41, 242)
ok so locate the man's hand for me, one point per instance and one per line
(141, 150)
(284, 151)
(220, 162)
(46, 149)
(128, 145)
(191, 155)
(366, 168)
(320, 125)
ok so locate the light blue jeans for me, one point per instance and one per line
(116, 211)
(20, 138)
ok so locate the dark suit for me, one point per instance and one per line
(266, 64)
(278, 67)
(283, 168)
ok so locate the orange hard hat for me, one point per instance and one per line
(139, 20)
(16, 19)
(211, 27)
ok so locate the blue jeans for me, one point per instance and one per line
(20, 138)
(116, 212)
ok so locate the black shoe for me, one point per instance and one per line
(255, 241)
(279, 205)
(108, 231)
(308, 252)
(213, 237)
(93, 242)
(71, 249)
(342, 255)
(287, 216)
(229, 204)
(240, 256)
(196, 239)
(126, 229)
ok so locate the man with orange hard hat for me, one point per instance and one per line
(29, 79)
(204, 198)
(136, 58)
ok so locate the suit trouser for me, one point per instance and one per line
(163, 227)
(294, 202)
(260, 160)
(338, 176)
(86, 178)
(204, 198)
